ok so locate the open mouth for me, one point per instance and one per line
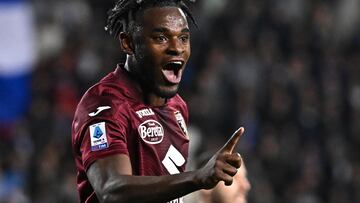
(172, 71)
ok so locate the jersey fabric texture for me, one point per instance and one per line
(112, 118)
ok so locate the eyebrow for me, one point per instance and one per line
(162, 29)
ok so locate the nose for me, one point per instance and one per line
(175, 47)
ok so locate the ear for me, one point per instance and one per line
(126, 43)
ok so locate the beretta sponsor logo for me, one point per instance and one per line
(151, 132)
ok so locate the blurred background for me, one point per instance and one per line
(286, 70)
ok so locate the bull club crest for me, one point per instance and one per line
(181, 122)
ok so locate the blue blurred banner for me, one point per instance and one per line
(11, 1)
(17, 55)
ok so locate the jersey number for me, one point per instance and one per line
(172, 160)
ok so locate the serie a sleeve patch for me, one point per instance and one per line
(98, 137)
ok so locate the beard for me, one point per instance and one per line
(148, 78)
(167, 94)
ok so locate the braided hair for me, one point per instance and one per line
(121, 17)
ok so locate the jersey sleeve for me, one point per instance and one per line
(104, 135)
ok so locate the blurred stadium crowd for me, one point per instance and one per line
(286, 70)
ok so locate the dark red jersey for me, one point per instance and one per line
(112, 118)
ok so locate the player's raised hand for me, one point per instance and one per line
(223, 165)
(231, 143)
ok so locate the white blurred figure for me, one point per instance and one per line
(235, 193)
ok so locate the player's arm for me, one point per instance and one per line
(112, 179)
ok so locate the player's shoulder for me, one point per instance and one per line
(177, 100)
(179, 104)
(103, 93)
(104, 99)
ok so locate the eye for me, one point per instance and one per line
(160, 38)
(184, 38)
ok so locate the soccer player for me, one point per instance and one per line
(129, 133)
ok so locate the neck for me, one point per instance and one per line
(154, 100)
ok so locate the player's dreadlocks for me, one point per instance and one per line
(121, 17)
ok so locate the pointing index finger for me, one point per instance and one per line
(231, 143)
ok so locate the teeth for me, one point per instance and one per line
(177, 62)
(174, 65)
